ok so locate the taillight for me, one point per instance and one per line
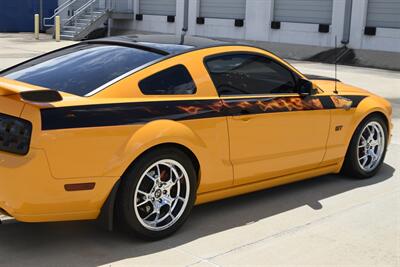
(15, 134)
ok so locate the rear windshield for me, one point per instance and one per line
(82, 68)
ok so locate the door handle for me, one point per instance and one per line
(242, 115)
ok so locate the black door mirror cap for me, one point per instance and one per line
(305, 88)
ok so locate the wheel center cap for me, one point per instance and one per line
(158, 193)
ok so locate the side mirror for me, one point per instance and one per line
(305, 87)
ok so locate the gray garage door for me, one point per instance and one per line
(224, 9)
(383, 13)
(157, 7)
(304, 11)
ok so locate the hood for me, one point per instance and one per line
(328, 86)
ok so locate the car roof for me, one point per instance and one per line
(160, 43)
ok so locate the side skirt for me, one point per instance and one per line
(257, 186)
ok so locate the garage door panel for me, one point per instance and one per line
(292, 13)
(157, 7)
(304, 11)
(383, 13)
(225, 9)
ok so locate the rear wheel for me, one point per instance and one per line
(367, 148)
(158, 193)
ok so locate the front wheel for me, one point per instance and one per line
(367, 148)
(158, 193)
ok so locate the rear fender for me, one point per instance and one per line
(150, 135)
(153, 134)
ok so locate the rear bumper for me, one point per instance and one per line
(29, 193)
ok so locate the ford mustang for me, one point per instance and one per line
(141, 131)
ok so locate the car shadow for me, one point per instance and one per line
(86, 244)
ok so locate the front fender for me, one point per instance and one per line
(349, 120)
(369, 105)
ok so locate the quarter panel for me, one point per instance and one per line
(11, 105)
(108, 151)
(206, 138)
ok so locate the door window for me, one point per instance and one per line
(238, 74)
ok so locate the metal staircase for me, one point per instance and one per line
(83, 24)
(78, 18)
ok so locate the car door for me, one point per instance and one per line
(273, 131)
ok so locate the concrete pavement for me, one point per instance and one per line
(329, 220)
(16, 48)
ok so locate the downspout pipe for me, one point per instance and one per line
(185, 21)
(347, 22)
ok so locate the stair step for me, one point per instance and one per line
(92, 14)
(82, 20)
(69, 32)
(77, 24)
(66, 37)
(89, 17)
(96, 12)
(73, 28)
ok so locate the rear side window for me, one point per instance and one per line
(241, 74)
(175, 80)
(81, 69)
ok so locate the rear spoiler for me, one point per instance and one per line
(28, 92)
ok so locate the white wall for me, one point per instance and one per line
(152, 23)
(259, 14)
(223, 28)
(307, 33)
(386, 39)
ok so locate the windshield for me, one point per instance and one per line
(82, 68)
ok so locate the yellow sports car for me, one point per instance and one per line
(140, 131)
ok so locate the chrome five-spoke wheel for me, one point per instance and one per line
(367, 149)
(158, 192)
(371, 145)
(161, 195)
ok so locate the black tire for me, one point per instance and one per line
(129, 182)
(351, 166)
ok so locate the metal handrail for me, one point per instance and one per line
(58, 11)
(80, 10)
(62, 5)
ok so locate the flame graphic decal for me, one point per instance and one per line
(341, 102)
(188, 109)
(254, 106)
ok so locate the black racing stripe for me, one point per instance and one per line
(327, 102)
(356, 99)
(125, 113)
(143, 112)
